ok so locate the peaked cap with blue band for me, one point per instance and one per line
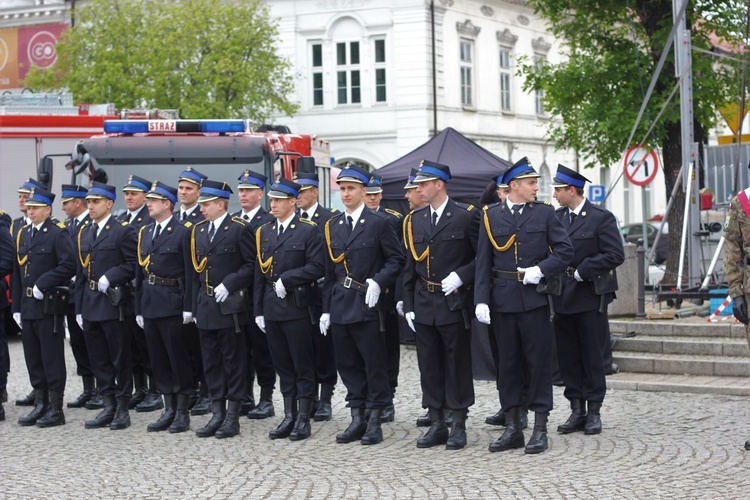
(431, 171)
(375, 185)
(212, 190)
(410, 184)
(136, 183)
(306, 180)
(101, 190)
(521, 169)
(568, 177)
(161, 191)
(30, 184)
(39, 197)
(354, 173)
(252, 180)
(284, 188)
(192, 175)
(72, 191)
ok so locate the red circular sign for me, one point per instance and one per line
(41, 50)
(641, 165)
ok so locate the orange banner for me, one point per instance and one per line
(21, 48)
(9, 58)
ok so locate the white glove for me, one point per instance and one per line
(195, 320)
(532, 275)
(73, 279)
(400, 308)
(482, 312)
(451, 283)
(17, 319)
(79, 320)
(373, 293)
(261, 322)
(103, 284)
(577, 276)
(280, 289)
(38, 295)
(187, 317)
(410, 321)
(325, 323)
(221, 293)
(139, 320)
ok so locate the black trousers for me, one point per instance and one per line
(581, 340)
(393, 349)
(4, 354)
(78, 345)
(44, 352)
(194, 348)
(524, 336)
(110, 344)
(291, 347)
(444, 356)
(493, 346)
(140, 355)
(168, 346)
(362, 364)
(224, 363)
(259, 363)
(325, 358)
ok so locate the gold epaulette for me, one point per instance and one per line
(61, 225)
(334, 210)
(306, 221)
(394, 213)
(124, 223)
(470, 208)
(239, 219)
(187, 224)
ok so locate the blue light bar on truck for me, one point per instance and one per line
(174, 126)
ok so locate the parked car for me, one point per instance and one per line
(633, 232)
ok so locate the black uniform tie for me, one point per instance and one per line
(246, 217)
(211, 231)
(350, 223)
(517, 210)
(184, 215)
(157, 232)
(434, 219)
(572, 218)
(33, 232)
(281, 229)
(95, 227)
(304, 215)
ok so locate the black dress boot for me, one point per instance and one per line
(54, 415)
(324, 411)
(248, 403)
(181, 422)
(373, 433)
(302, 425)
(496, 419)
(40, 408)
(27, 401)
(356, 429)
(122, 416)
(538, 440)
(593, 420)
(219, 413)
(152, 401)
(523, 417)
(388, 414)
(2, 413)
(512, 438)
(438, 432)
(747, 443)
(96, 402)
(265, 405)
(167, 416)
(448, 415)
(104, 418)
(203, 405)
(140, 389)
(286, 426)
(577, 419)
(457, 439)
(89, 389)
(231, 425)
(425, 420)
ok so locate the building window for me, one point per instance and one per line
(545, 184)
(505, 80)
(379, 64)
(317, 74)
(467, 71)
(539, 60)
(348, 83)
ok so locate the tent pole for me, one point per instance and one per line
(434, 72)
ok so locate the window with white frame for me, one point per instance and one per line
(539, 60)
(380, 71)
(505, 80)
(545, 184)
(348, 84)
(466, 61)
(316, 64)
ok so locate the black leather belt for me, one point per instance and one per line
(348, 282)
(30, 291)
(508, 275)
(158, 280)
(431, 286)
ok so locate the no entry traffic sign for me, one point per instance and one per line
(641, 165)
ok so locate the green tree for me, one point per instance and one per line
(207, 58)
(612, 50)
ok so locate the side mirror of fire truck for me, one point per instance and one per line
(44, 172)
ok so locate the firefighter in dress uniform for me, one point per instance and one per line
(222, 251)
(163, 305)
(7, 258)
(45, 259)
(521, 244)
(290, 261)
(364, 258)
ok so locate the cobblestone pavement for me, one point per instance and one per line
(654, 445)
